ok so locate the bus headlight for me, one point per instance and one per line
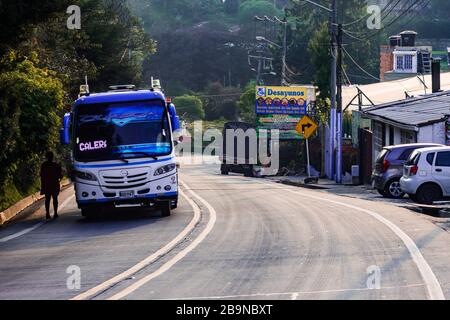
(85, 176)
(166, 169)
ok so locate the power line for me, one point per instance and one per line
(368, 36)
(359, 67)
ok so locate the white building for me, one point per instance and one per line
(422, 119)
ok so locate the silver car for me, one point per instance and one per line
(389, 168)
(426, 175)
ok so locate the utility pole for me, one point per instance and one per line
(283, 72)
(334, 53)
(258, 71)
(283, 22)
(339, 132)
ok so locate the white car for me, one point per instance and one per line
(426, 175)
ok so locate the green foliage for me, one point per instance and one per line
(199, 42)
(220, 101)
(31, 100)
(320, 59)
(251, 8)
(42, 66)
(118, 44)
(191, 106)
(232, 7)
(246, 103)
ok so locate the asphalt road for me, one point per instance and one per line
(231, 238)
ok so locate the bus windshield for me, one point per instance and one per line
(121, 131)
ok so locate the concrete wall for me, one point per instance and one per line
(433, 133)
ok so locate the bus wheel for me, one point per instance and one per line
(166, 209)
(87, 213)
(174, 204)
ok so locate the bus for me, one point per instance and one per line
(123, 150)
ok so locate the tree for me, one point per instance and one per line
(232, 7)
(31, 100)
(251, 8)
(191, 106)
(246, 103)
(220, 102)
(320, 59)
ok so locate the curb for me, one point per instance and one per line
(302, 185)
(17, 208)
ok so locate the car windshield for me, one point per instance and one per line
(121, 131)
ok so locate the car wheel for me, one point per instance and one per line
(249, 172)
(428, 193)
(382, 192)
(394, 190)
(223, 170)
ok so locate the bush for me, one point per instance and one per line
(191, 106)
(31, 100)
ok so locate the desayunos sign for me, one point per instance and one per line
(283, 100)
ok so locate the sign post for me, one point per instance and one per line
(306, 127)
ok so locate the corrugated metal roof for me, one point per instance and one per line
(389, 91)
(415, 112)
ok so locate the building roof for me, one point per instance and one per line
(119, 96)
(390, 91)
(411, 114)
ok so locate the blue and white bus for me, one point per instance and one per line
(123, 150)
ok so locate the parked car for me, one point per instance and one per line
(426, 175)
(389, 168)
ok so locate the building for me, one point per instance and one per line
(422, 119)
(402, 58)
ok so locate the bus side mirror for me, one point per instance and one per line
(64, 134)
(174, 119)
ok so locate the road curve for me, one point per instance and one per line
(267, 241)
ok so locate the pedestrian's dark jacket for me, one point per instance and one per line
(51, 175)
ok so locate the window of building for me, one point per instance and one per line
(405, 62)
(400, 62)
(407, 137)
(408, 62)
(378, 136)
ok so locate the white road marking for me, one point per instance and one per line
(147, 261)
(28, 230)
(169, 264)
(295, 295)
(433, 286)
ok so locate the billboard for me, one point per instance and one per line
(282, 108)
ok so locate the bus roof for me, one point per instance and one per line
(120, 96)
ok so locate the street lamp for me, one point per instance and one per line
(263, 39)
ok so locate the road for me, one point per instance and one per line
(231, 238)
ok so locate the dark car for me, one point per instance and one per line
(389, 168)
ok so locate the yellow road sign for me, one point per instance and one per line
(306, 127)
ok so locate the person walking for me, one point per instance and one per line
(51, 176)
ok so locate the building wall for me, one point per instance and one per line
(433, 133)
(386, 60)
